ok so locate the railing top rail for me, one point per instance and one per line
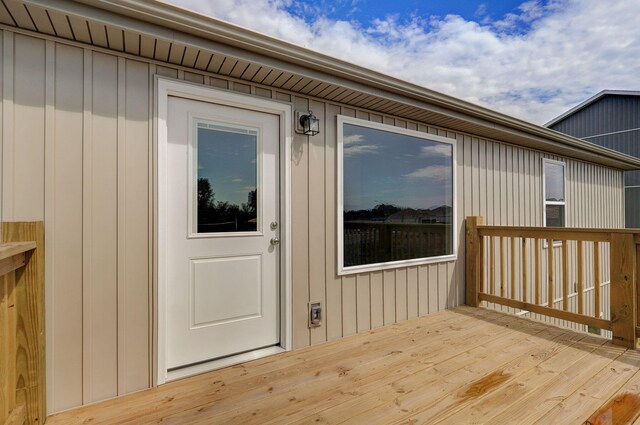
(557, 233)
(14, 248)
(561, 229)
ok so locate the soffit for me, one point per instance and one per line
(167, 34)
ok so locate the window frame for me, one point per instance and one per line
(341, 269)
(544, 193)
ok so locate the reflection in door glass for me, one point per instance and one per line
(226, 159)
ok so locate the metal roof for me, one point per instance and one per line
(591, 100)
(188, 40)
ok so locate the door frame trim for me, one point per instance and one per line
(164, 88)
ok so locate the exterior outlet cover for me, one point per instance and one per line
(315, 315)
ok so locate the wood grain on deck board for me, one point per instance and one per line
(460, 366)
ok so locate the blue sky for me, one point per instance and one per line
(530, 59)
(228, 161)
(379, 168)
(365, 11)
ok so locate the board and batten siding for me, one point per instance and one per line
(77, 152)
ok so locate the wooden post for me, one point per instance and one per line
(623, 289)
(473, 260)
(30, 349)
(637, 292)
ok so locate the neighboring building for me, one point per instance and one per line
(611, 119)
(138, 132)
(440, 214)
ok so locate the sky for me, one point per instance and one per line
(228, 160)
(532, 60)
(379, 168)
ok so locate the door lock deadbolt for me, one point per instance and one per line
(274, 225)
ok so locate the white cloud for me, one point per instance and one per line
(436, 150)
(355, 144)
(437, 173)
(353, 139)
(533, 64)
(359, 150)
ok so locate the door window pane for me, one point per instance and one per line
(226, 162)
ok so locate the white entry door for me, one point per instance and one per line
(222, 229)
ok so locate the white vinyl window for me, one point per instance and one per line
(554, 193)
(396, 197)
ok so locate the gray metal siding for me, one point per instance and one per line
(632, 206)
(612, 122)
(607, 115)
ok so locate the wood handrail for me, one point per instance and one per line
(561, 230)
(623, 256)
(13, 256)
(14, 248)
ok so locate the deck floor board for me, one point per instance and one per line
(460, 366)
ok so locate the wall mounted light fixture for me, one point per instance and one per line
(310, 125)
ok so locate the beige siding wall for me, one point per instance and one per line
(77, 152)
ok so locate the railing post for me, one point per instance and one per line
(623, 289)
(30, 337)
(473, 260)
(637, 324)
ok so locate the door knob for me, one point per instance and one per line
(275, 241)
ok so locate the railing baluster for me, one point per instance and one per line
(525, 298)
(492, 265)
(550, 293)
(502, 267)
(512, 294)
(565, 278)
(537, 260)
(580, 280)
(596, 278)
(481, 265)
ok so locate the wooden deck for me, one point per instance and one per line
(460, 366)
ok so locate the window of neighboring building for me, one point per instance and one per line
(395, 196)
(554, 193)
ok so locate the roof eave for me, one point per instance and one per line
(193, 24)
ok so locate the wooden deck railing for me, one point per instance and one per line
(22, 385)
(548, 271)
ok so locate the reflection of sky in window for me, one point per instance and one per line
(554, 181)
(381, 167)
(228, 161)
